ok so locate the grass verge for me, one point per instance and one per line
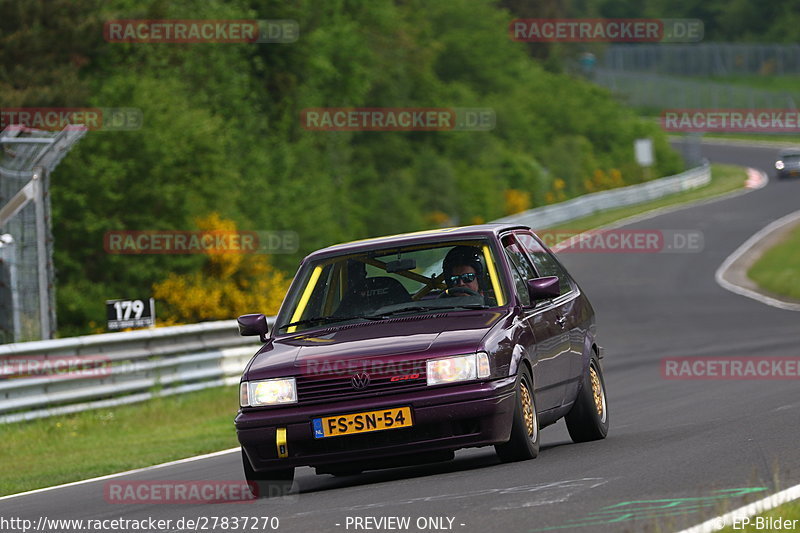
(778, 270)
(777, 83)
(68, 448)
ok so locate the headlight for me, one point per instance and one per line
(267, 392)
(460, 368)
(779, 165)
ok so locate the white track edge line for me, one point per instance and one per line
(719, 275)
(746, 511)
(120, 474)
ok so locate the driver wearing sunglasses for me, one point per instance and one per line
(463, 275)
(462, 268)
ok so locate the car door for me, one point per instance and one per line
(550, 347)
(566, 306)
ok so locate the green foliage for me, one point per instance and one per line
(222, 130)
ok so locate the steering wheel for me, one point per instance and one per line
(459, 291)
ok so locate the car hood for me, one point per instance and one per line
(415, 337)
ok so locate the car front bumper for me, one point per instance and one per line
(788, 173)
(445, 418)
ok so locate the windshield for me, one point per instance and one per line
(406, 281)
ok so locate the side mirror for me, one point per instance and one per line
(255, 324)
(543, 288)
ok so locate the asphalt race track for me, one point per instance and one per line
(674, 448)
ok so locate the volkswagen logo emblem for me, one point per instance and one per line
(360, 381)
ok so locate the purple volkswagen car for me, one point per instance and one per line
(400, 350)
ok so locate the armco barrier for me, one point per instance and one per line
(173, 360)
(140, 365)
(588, 204)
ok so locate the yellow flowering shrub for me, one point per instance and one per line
(602, 180)
(438, 219)
(230, 284)
(516, 201)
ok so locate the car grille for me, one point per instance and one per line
(339, 386)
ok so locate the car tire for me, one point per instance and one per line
(588, 418)
(524, 441)
(267, 484)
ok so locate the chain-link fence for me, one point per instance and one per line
(653, 77)
(656, 92)
(704, 59)
(27, 296)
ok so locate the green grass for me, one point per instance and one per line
(724, 179)
(772, 82)
(788, 511)
(778, 270)
(68, 448)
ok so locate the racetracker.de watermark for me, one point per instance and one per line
(170, 492)
(643, 241)
(731, 120)
(394, 371)
(606, 30)
(201, 31)
(43, 366)
(200, 242)
(77, 118)
(398, 119)
(730, 368)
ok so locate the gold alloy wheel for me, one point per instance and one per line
(597, 390)
(527, 411)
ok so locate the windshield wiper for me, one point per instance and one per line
(327, 320)
(467, 306)
(410, 309)
(405, 310)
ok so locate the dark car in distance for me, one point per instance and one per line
(788, 164)
(400, 350)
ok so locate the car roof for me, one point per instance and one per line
(789, 151)
(434, 235)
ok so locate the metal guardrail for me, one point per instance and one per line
(588, 204)
(132, 366)
(140, 365)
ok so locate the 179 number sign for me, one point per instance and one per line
(123, 314)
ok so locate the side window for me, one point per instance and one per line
(545, 263)
(520, 269)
